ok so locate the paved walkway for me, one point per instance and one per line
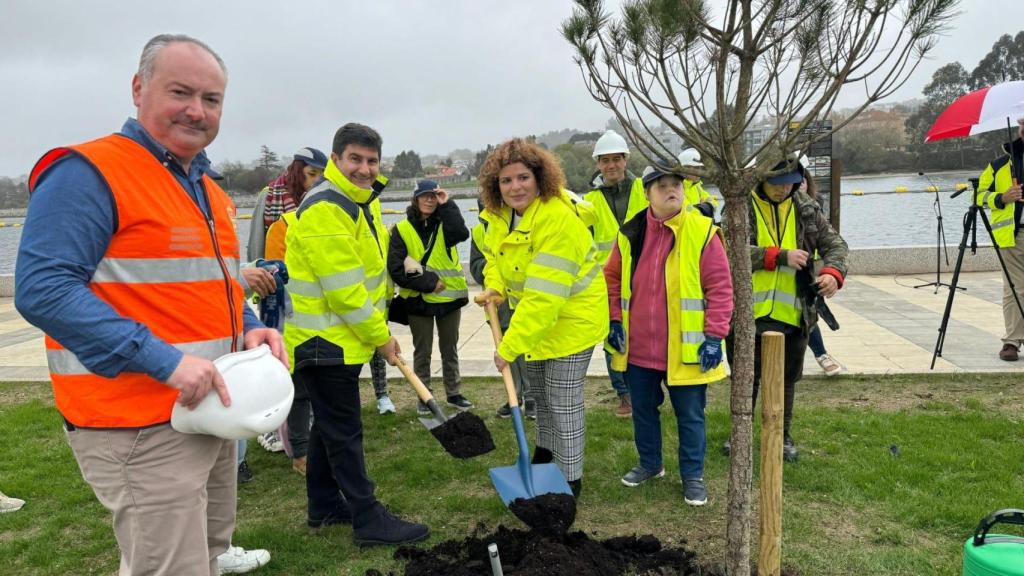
(887, 328)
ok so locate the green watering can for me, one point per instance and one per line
(995, 554)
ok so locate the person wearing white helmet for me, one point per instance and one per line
(617, 195)
(693, 191)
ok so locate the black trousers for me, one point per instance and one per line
(796, 346)
(298, 420)
(335, 463)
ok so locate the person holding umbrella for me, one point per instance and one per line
(545, 263)
(999, 189)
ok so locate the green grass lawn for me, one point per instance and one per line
(850, 506)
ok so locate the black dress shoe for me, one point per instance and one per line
(387, 529)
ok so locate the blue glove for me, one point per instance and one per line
(617, 336)
(271, 306)
(710, 353)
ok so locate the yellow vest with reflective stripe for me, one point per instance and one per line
(607, 227)
(444, 263)
(548, 270)
(991, 184)
(775, 293)
(478, 233)
(693, 231)
(337, 274)
(695, 193)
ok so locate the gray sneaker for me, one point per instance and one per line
(638, 476)
(694, 492)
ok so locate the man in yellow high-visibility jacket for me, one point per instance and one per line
(617, 196)
(339, 285)
(999, 189)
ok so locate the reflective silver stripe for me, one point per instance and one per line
(314, 321)
(153, 270)
(512, 301)
(343, 279)
(304, 288)
(691, 304)
(446, 273)
(691, 337)
(65, 362)
(374, 282)
(762, 296)
(624, 302)
(382, 303)
(786, 269)
(557, 263)
(790, 299)
(998, 225)
(547, 286)
(454, 294)
(584, 282)
(516, 285)
(604, 246)
(358, 315)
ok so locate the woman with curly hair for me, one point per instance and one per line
(543, 260)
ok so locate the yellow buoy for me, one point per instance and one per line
(961, 186)
(17, 224)
(858, 192)
(901, 188)
(932, 188)
(244, 216)
(3, 224)
(392, 211)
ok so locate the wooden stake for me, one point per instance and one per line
(773, 361)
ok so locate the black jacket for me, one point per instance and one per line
(449, 218)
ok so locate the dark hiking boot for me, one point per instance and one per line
(1009, 353)
(340, 515)
(387, 529)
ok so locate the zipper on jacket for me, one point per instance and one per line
(224, 269)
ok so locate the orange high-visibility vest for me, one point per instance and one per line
(166, 267)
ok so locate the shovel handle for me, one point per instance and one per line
(421, 391)
(506, 373)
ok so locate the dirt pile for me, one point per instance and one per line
(549, 514)
(536, 554)
(464, 436)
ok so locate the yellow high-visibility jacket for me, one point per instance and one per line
(606, 227)
(548, 269)
(338, 280)
(994, 180)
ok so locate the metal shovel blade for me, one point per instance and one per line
(436, 418)
(525, 480)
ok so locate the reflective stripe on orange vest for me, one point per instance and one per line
(167, 266)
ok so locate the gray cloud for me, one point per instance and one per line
(431, 76)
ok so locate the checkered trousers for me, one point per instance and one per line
(557, 387)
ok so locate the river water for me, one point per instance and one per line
(877, 217)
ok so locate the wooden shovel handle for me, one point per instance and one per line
(506, 373)
(417, 384)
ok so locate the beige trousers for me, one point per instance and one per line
(172, 495)
(1014, 259)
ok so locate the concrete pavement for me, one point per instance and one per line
(887, 327)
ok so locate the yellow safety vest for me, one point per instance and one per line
(695, 193)
(478, 233)
(337, 274)
(444, 263)
(996, 179)
(548, 270)
(775, 292)
(606, 226)
(693, 231)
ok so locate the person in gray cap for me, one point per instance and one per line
(424, 263)
(787, 229)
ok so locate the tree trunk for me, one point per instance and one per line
(737, 205)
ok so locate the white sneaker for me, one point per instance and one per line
(270, 442)
(238, 560)
(829, 364)
(8, 504)
(385, 405)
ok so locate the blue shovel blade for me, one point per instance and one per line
(547, 479)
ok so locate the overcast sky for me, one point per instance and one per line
(430, 76)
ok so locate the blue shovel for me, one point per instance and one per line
(521, 480)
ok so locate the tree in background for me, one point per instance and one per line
(674, 62)
(1003, 63)
(478, 162)
(580, 168)
(407, 165)
(269, 160)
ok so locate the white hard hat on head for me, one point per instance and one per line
(261, 393)
(690, 157)
(610, 143)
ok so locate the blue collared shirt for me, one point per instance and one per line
(71, 220)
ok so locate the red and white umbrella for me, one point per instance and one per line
(984, 110)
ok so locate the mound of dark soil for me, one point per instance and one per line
(464, 436)
(549, 514)
(535, 554)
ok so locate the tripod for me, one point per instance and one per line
(940, 245)
(970, 229)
